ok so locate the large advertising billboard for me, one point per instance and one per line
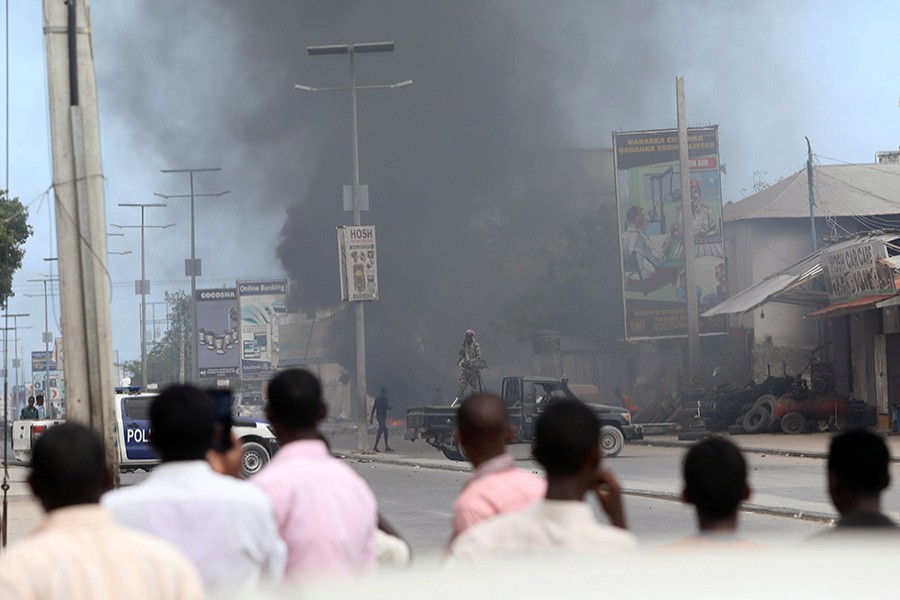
(218, 333)
(358, 263)
(651, 234)
(262, 306)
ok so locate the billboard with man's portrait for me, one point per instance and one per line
(651, 230)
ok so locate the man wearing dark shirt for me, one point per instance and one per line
(379, 409)
(857, 475)
(30, 412)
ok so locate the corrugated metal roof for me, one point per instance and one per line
(840, 191)
(856, 305)
(794, 276)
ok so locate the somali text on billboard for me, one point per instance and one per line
(651, 230)
(856, 272)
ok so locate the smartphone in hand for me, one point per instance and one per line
(222, 402)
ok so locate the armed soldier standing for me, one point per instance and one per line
(470, 364)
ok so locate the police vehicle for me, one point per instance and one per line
(133, 431)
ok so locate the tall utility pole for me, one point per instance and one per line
(687, 226)
(812, 198)
(80, 219)
(352, 50)
(142, 287)
(192, 266)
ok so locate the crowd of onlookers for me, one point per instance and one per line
(193, 527)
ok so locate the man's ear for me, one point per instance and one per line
(510, 434)
(107, 479)
(686, 497)
(745, 495)
(594, 458)
(323, 411)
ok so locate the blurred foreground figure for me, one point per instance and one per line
(857, 475)
(224, 525)
(325, 512)
(78, 551)
(715, 484)
(496, 486)
(567, 445)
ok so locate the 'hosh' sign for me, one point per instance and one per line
(358, 263)
(856, 272)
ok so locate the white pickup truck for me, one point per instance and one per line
(133, 435)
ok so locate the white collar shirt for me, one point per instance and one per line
(225, 526)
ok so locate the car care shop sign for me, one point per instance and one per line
(263, 305)
(358, 264)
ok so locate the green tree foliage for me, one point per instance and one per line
(14, 232)
(574, 287)
(167, 356)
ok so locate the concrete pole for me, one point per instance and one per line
(46, 336)
(812, 198)
(361, 396)
(687, 226)
(80, 220)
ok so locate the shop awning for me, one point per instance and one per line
(851, 306)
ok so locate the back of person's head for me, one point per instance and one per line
(715, 477)
(565, 436)
(182, 423)
(859, 460)
(482, 416)
(68, 467)
(295, 400)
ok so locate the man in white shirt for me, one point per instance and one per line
(79, 552)
(224, 525)
(567, 445)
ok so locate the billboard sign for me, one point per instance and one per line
(262, 305)
(39, 361)
(358, 263)
(218, 333)
(856, 272)
(648, 192)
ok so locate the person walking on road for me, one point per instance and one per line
(30, 412)
(379, 410)
(496, 486)
(470, 365)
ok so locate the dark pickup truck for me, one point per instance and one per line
(525, 398)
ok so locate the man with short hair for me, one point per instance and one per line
(78, 551)
(858, 473)
(715, 484)
(224, 525)
(567, 445)
(325, 512)
(30, 412)
(496, 486)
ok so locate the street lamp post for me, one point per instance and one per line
(143, 287)
(352, 50)
(194, 269)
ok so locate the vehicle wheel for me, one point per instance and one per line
(837, 424)
(453, 452)
(611, 440)
(793, 423)
(254, 457)
(757, 420)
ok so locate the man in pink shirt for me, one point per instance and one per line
(496, 486)
(326, 513)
